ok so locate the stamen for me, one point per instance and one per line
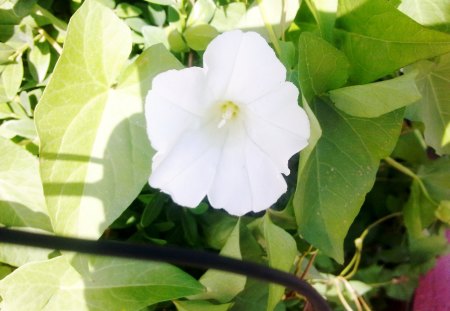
(229, 111)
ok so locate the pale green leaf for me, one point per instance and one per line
(22, 201)
(316, 133)
(281, 250)
(278, 14)
(431, 13)
(126, 10)
(443, 212)
(227, 17)
(321, 66)
(434, 108)
(375, 99)
(5, 52)
(201, 305)
(224, 286)
(107, 284)
(198, 37)
(378, 39)
(23, 127)
(95, 155)
(11, 79)
(201, 13)
(176, 41)
(154, 35)
(39, 60)
(18, 255)
(339, 172)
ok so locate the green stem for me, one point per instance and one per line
(400, 167)
(354, 263)
(272, 35)
(50, 40)
(18, 53)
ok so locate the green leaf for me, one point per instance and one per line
(427, 247)
(281, 250)
(321, 66)
(22, 201)
(434, 107)
(418, 212)
(338, 173)
(378, 39)
(95, 155)
(375, 99)
(431, 13)
(201, 13)
(176, 41)
(11, 79)
(107, 284)
(198, 37)
(324, 12)
(201, 305)
(435, 176)
(287, 54)
(39, 60)
(224, 286)
(411, 147)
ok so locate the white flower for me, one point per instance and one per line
(226, 130)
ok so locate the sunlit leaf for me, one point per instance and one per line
(431, 13)
(10, 80)
(22, 201)
(278, 14)
(95, 155)
(107, 284)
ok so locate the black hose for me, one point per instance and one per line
(174, 255)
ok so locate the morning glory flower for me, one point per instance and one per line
(227, 130)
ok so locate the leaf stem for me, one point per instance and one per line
(50, 40)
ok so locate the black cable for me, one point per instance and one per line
(178, 256)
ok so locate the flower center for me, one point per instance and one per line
(229, 111)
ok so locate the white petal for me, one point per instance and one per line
(175, 104)
(246, 179)
(187, 170)
(278, 125)
(241, 67)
